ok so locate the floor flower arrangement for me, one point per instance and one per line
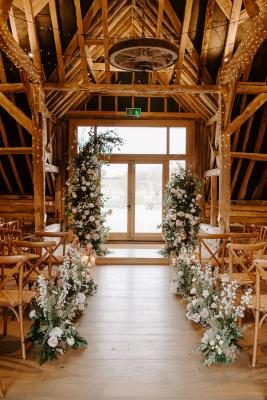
(84, 201)
(181, 216)
(57, 305)
(213, 302)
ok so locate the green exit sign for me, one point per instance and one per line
(133, 112)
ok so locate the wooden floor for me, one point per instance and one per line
(140, 346)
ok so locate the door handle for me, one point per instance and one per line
(128, 206)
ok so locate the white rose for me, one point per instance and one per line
(32, 314)
(91, 205)
(204, 313)
(196, 318)
(219, 351)
(212, 343)
(81, 297)
(74, 210)
(95, 236)
(221, 342)
(70, 341)
(187, 216)
(57, 331)
(52, 341)
(86, 212)
(180, 214)
(205, 293)
(81, 306)
(83, 188)
(173, 217)
(87, 236)
(91, 218)
(193, 291)
(74, 195)
(193, 210)
(173, 190)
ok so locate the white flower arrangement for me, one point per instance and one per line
(84, 200)
(219, 343)
(56, 306)
(181, 213)
(204, 294)
(182, 275)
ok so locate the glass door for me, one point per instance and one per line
(148, 189)
(133, 192)
(115, 187)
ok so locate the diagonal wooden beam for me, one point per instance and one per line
(54, 19)
(32, 32)
(17, 114)
(243, 188)
(80, 33)
(106, 39)
(5, 178)
(251, 7)
(206, 37)
(5, 6)
(232, 30)
(158, 32)
(10, 157)
(261, 185)
(184, 39)
(251, 108)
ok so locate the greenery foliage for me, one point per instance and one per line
(84, 200)
(57, 305)
(181, 213)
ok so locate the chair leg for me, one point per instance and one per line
(5, 318)
(256, 334)
(22, 332)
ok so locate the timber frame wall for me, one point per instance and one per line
(220, 112)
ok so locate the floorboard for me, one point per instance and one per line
(141, 347)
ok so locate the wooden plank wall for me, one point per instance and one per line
(249, 211)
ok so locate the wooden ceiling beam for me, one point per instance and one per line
(261, 134)
(15, 150)
(130, 89)
(243, 56)
(79, 114)
(54, 19)
(261, 185)
(252, 8)
(32, 32)
(106, 38)
(10, 158)
(250, 156)
(158, 33)
(80, 33)
(232, 30)
(5, 178)
(184, 39)
(251, 108)
(206, 37)
(17, 114)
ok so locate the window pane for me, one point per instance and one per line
(140, 140)
(114, 185)
(83, 134)
(174, 166)
(148, 197)
(177, 140)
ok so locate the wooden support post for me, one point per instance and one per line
(39, 175)
(213, 200)
(225, 170)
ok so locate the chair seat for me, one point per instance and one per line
(241, 277)
(33, 277)
(263, 302)
(9, 297)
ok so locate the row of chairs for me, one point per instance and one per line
(243, 257)
(21, 263)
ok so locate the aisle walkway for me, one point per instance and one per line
(139, 349)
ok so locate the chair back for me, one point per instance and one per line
(242, 256)
(61, 239)
(14, 265)
(38, 255)
(215, 246)
(244, 237)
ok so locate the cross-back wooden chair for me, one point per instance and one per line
(13, 225)
(14, 298)
(61, 239)
(38, 257)
(8, 235)
(241, 261)
(258, 303)
(244, 237)
(215, 246)
(2, 247)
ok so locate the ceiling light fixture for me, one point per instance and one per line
(143, 54)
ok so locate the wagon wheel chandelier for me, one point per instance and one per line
(143, 54)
